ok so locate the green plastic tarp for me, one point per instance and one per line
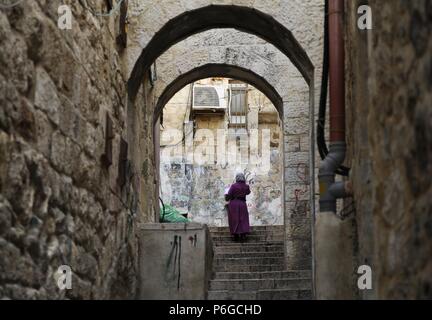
(172, 215)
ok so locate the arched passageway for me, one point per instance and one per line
(302, 203)
(77, 157)
(269, 82)
(211, 129)
(219, 70)
(221, 16)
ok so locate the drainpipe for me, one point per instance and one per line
(333, 237)
(330, 191)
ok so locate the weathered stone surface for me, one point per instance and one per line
(45, 97)
(389, 132)
(56, 88)
(199, 189)
(6, 215)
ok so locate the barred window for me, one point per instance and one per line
(238, 106)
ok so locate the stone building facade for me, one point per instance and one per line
(198, 189)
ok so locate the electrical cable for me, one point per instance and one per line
(322, 147)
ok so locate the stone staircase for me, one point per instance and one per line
(254, 270)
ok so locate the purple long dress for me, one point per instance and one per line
(238, 215)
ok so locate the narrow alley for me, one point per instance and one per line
(215, 150)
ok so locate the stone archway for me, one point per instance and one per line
(220, 169)
(219, 70)
(221, 16)
(298, 232)
(266, 27)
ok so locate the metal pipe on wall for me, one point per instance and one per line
(336, 155)
(333, 245)
(337, 71)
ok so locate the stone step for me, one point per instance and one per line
(255, 269)
(254, 233)
(275, 254)
(245, 244)
(264, 275)
(232, 295)
(284, 294)
(232, 249)
(260, 284)
(248, 261)
(279, 228)
(272, 294)
(249, 239)
(248, 268)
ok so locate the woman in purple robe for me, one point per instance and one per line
(238, 215)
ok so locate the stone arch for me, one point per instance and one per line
(245, 19)
(240, 50)
(198, 17)
(184, 22)
(210, 70)
(219, 70)
(274, 75)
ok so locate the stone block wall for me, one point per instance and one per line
(390, 136)
(59, 204)
(176, 261)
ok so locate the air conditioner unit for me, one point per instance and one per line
(208, 98)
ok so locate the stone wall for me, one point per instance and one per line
(60, 204)
(176, 261)
(198, 189)
(389, 128)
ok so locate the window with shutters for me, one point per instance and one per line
(238, 107)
